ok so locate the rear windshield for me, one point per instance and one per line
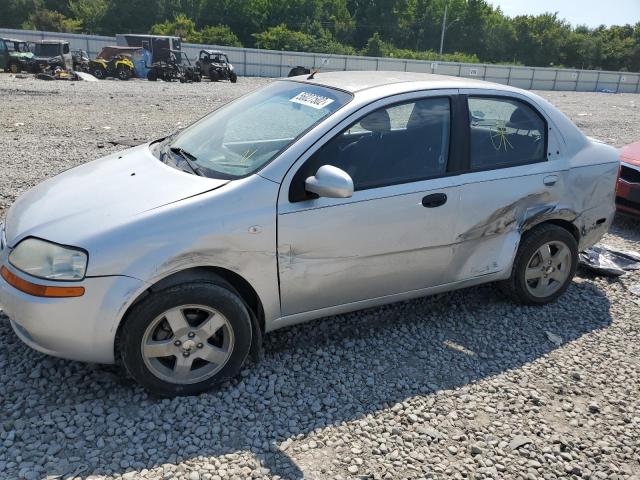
(240, 138)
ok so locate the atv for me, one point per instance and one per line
(14, 55)
(119, 66)
(173, 68)
(215, 65)
(81, 60)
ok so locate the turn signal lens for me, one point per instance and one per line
(39, 290)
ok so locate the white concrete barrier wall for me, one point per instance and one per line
(268, 63)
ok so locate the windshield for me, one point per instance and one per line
(21, 47)
(240, 138)
(47, 49)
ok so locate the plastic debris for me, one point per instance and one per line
(86, 76)
(609, 260)
(555, 339)
(519, 441)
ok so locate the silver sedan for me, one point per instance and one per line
(310, 197)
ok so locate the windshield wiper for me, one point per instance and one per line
(189, 158)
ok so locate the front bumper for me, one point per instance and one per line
(628, 190)
(81, 328)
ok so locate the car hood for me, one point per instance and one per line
(631, 154)
(100, 195)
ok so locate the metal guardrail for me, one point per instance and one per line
(270, 63)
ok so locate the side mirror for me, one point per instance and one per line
(330, 182)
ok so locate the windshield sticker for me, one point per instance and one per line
(312, 100)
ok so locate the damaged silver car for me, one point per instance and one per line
(310, 197)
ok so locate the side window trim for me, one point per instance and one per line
(457, 138)
(464, 99)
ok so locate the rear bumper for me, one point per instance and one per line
(81, 328)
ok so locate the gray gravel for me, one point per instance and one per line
(459, 385)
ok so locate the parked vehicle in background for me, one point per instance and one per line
(295, 71)
(628, 189)
(176, 67)
(112, 62)
(50, 54)
(80, 60)
(158, 45)
(15, 55)
(304, 199)
(215, 65)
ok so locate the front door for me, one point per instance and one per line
(395, 233)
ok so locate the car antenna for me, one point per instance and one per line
(317, 69)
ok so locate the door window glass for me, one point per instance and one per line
(504, 133)
(402, 143)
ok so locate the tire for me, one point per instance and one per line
(233, 76)
(123, 73)
(213, 75)
(14, 68)
(152, 76)
(535, 281)
(98, 72)
(178, 368)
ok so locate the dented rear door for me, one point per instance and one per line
(523, 181)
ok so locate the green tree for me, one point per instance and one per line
(90, 13)
(219, 35)
(50, 21)
(181, 26)
(281, 38)
(375, 46)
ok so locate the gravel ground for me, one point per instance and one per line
(458, 385)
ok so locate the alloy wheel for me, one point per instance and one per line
(548, 269)
(187, 344)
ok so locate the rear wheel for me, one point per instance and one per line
(14, 68)
(544, 265)
(186, 339)
(213, 75)
(152, 76)
(123, 73)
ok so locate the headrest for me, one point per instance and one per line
(377, 122)
(523, 119)
(428, 113)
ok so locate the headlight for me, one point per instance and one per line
(48, 260)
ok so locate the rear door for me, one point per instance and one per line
(395, 233)
(516, 174)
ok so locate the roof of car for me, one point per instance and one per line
(13, 40)
(50, 42)
(356, 81)
(214, 52)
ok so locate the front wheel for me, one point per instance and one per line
(233, 76)
(544, 266)
(98, 72)
(14, 68)
(186, 339)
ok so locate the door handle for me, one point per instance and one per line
(550, 180)
(434, 200)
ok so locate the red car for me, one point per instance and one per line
(628, 189)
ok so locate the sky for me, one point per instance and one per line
(577, 12)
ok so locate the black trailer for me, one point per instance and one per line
(160, 46)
